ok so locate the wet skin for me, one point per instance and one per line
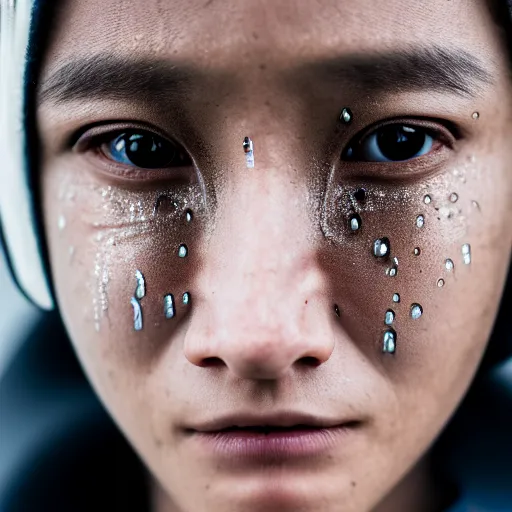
(288, 303)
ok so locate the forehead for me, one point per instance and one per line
(229, 33)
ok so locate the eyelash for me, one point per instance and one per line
(441, 132)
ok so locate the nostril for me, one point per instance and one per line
(310, 361)
(211, 362)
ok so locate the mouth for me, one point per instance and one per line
(280, 422)
(246, 441)
(267, 429)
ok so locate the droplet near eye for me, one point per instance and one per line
(392, 143)
(145, 150)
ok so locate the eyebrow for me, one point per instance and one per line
(436, 68)
(111, 77)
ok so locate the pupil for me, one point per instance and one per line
(398, 142)
(148, 151)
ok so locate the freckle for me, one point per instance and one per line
(306, 302)
(353, 483)
(207, 487)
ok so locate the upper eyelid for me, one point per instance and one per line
(436, 126)
(107, 131)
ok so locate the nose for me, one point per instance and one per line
(263, 306)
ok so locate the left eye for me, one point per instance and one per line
(145, 150)
(392, 143)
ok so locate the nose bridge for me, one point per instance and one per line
(267, 310)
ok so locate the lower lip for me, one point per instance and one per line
(275, 445)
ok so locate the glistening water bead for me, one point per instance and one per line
(137, 314)
(186, 298)
(188, 215)
(140, 290)
(449, 265)
(390, 317)
(381, 247)
(416, 311)
(169, 306)
(417, 251)
(389, 341)
(466, 254)
(346, 115)
(355, 222)
(427, 199)
(182, 251)
(420, 221)
(396, 297)
(454, 197)
(440, 283)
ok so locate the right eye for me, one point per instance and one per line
(145, 150)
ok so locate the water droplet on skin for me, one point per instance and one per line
(466, 254)
(140, 290)
(417, 251)
(62, 222)
(449, 264)
(440, 283)
(337, 310)
(137, 314)
(454, 197)
(188, 215)
(381, 247)
(390, 317)
(427, 199)
(360, 195)
(182, 251)
(420, 221)
(346, 115)
(396, 297)
(391, 272)
(389, 341)
(169, 306)
(355, 222)
(416, 311)
(475, 205)
(475, 115)
(186, 298)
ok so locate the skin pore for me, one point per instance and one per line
(287, 303)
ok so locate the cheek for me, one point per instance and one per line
(117, 252)
(433, 294)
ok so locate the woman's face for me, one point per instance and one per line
(143, 108)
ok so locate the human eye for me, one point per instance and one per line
(133, 153)
(398, 142)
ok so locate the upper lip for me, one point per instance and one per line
(281, 419)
